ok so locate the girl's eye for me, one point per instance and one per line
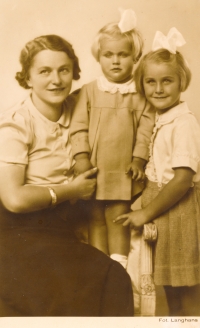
(167, 81)
(124, 55)
(150, 82)
(107, 54)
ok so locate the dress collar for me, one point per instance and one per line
(173, 113)
(64, 119)
(107, 86)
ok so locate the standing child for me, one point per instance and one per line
(111, 129)
(172, 195)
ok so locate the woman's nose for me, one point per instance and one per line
(56, 78)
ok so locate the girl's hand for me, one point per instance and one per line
(136, 219)
(85, 184)
(136, 168)
(82, 165)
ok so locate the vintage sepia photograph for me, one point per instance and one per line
(99, 163)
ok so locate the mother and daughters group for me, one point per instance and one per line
(90, 154)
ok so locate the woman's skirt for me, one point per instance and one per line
(45, 271)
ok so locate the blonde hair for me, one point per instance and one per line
(164, 56)
(112, 31)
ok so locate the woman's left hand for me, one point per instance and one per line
(136, 219)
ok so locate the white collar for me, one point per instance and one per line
(107, 86)
(173, 113)
(64, 119)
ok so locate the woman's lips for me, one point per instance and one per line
(56, 89)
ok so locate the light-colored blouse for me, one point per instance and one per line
(29, 138)
(175, 143)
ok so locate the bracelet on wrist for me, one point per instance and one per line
(53, 196)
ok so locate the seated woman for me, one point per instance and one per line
(45, 271)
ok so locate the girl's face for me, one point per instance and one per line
(116, 60)
(161, 85)
(50, 78)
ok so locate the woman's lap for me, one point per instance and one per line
(47, 272)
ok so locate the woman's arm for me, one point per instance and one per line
(20, 198)
(169, 196)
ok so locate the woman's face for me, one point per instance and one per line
(50, 78)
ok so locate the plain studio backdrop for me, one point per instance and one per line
(78, 21)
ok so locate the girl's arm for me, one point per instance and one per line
(80, 124)
(20, 198)
(145, 116)
(169, 196)
(79, 133)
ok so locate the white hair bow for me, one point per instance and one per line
(170, 42)
(128, 20)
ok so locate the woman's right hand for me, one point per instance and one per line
(85, 184)
(82, 165)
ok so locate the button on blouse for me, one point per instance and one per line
(41, 145)
(175, 143)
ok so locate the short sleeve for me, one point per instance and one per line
(186, 145)
(15, 137)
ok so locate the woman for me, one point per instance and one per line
(45, 271)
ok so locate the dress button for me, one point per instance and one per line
(65, 172)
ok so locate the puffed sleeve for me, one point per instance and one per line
(15, 137)
(80, 124)
(144, 129)
(186, 142)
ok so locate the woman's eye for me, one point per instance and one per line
(65, 70)
(44, 72)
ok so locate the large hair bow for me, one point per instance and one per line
(170, 42)
(128, 20)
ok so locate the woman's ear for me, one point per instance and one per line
(28, 82)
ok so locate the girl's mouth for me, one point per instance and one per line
(159, 98)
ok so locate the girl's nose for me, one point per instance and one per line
(56, 78)
(159, 88)
(116, 59)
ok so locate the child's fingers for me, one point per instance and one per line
(121, 217)
(128, 169)
(140, 176)
(135, 174)
(126, 223)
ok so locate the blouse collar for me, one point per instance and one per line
(107, 86)
(64, 119)
(173, 113)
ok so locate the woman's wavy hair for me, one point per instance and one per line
(44, 42)
(164, 56)
(112, 31)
